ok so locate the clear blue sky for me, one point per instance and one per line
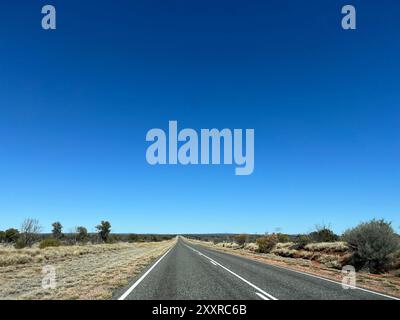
(76, 104)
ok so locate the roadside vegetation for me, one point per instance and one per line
(371, 246)
(89, 265)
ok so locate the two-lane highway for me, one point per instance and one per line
(193, 272)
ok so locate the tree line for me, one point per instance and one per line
(30, 232)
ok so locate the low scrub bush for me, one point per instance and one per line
(241, 239)
(373, 244)
(14, 259)
(267, 243)
(251, 246)
(301, 241)
(49, 242)
(323, 234)
(283, 238)
(284, 252)
(331, 261)
(284, 245)
(20, 244)
(231, 245)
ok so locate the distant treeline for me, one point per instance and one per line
(30, 233)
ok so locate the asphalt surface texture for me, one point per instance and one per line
(192, 272)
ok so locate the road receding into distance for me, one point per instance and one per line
(193, 272)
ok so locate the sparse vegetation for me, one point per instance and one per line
(30, 229)
(83, 272)
(373, 244)
(323, 259)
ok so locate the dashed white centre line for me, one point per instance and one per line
(265, 294)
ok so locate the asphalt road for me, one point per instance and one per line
(194, 272)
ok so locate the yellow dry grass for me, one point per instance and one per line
(82, 272)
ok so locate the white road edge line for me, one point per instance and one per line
(143, 276)
(235, 274)
(329, 280)
(262, 296)
(213, 263)
(333, 281)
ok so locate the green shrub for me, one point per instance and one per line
(267, 243)
(11, 235)
(241, 239)
(373, 244)
(2, 236)
(283, 238)
(323, 234)
(19, 244)
(49, 242)
(82, 234)
(301, 241)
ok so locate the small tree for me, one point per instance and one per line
(323, 233)
(82, 234)
(29, 232)
(57, 230)
(2, 236)
(104, 229)
(373, 243)
(11, 235)
(241, 239)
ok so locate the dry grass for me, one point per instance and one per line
(253, 247)
(331, 254)
(337, 247)
(283, 245)
(82, 272)
(231, 245)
